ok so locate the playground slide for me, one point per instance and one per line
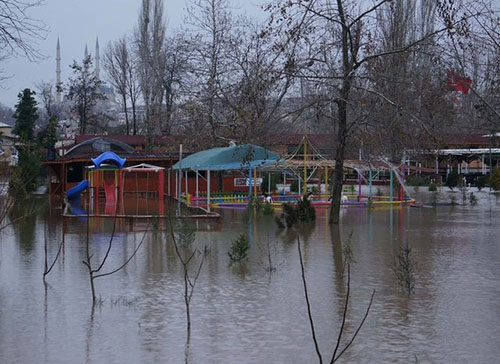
(398, 177)
(74, 193)
(109, 157)
(110, 190)
(76, 209)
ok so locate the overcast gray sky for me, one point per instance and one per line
(79, 22)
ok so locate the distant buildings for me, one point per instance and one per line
(8, 151)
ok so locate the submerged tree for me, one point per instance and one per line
(239, 249)
(337, 351)
(48, 267)
(94, 270)
(187, 256)
(404, 268)
(337, 38)
(495, 180)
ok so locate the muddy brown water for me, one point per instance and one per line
(243, 314)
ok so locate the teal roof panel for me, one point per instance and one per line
(228, 158)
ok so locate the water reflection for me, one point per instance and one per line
(244, 313)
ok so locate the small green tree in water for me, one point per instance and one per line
(481, 182)
(305, 210)
(472, 199)
(267, 209)
(239, 249)
(452, 180)
(404, 267)
(453, 200)
(495, 180)
(435, 198)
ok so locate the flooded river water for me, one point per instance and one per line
(241, 313)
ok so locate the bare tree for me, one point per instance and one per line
(475, 53)
(7, 203)
(45, 93)
(177, 68)
(6, 114)
(337, 351)
(133, 90)
(150, 53)
(47, 268)
(84, 92)
(254, 87)
(336, 35)
(93, 270)
(119, 65)
(403, 99)
(213, 22)
(11, 211)
(19, 31)
(186, 258)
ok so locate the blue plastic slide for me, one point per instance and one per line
(74, 193)
(109, 157)
(76, 209)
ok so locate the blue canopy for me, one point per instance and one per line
(228, 158)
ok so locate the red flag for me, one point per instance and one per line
(458, 83)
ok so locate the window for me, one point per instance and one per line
(75, 172)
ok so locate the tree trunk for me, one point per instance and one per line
(134, 117)
(338, 174)
(92, 289)
(126, 112)
(187, 301)
(348, 73)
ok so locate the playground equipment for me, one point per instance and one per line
(73, 196)
(310, 170)
(108, 157)
(74, 193)
(246, 157)
(108, 182)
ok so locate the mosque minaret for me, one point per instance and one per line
(97, 58)
(58, 72)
